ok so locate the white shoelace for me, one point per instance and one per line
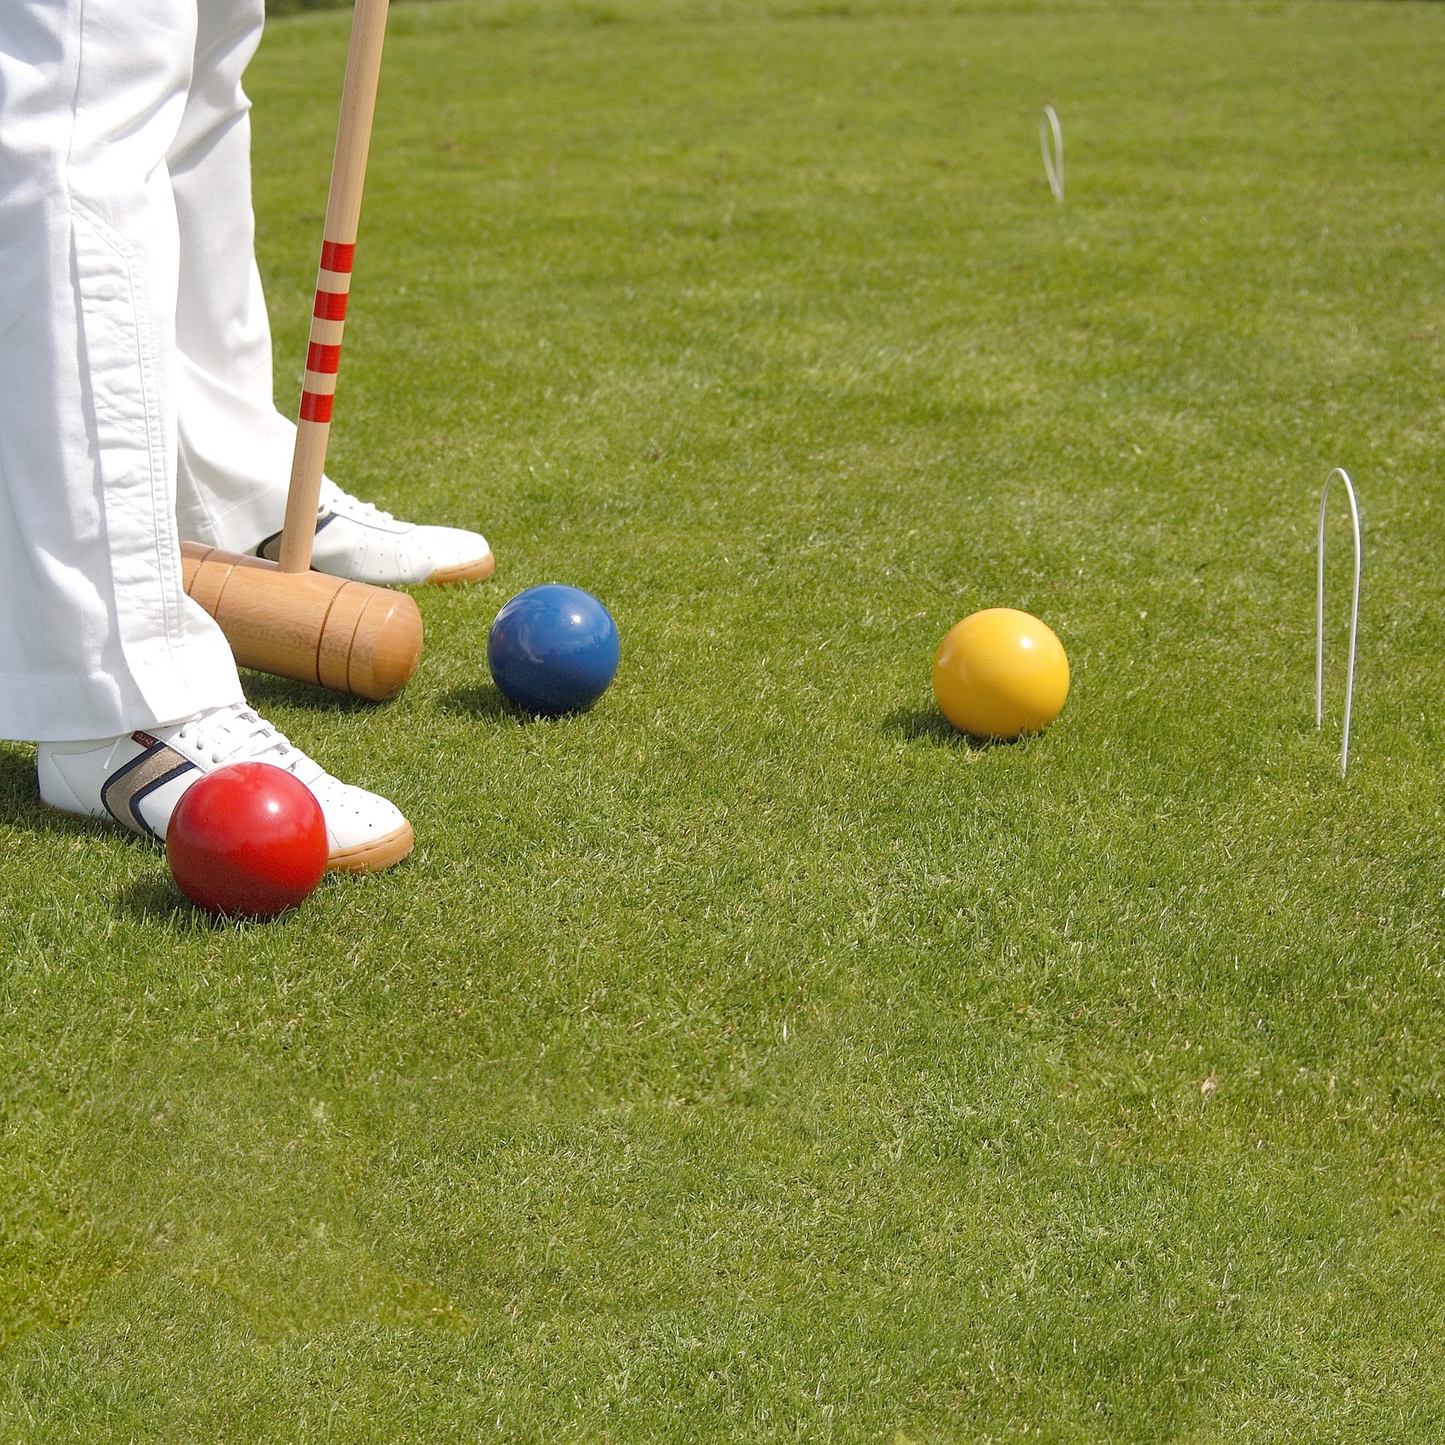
(238, 731)
(333, 499)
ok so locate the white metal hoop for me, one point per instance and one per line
(1320, 613)
(1051, 130)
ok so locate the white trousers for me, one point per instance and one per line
(135, 357)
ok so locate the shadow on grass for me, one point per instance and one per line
(487, 704)
(20, 805)
(152, 899)
(157, 900)
(263, 690)
(928, 725)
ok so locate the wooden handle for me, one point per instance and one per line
(333, 282)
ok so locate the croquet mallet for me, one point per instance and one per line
(287, 619)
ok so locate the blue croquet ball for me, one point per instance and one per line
(553, 649)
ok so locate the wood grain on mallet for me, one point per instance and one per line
(344, 635)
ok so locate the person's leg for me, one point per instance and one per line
(235, 447)
(128, 686)
(99, 636)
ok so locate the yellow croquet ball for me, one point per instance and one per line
(1000, 673)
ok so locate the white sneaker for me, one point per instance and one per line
(138, 778)
(359, 541)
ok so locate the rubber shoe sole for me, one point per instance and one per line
(372, 857)
(475, 571)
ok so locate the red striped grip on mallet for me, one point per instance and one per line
(328, 318)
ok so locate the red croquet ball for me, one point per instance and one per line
(248, 840)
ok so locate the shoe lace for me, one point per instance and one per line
(238, 732)
(333, 499)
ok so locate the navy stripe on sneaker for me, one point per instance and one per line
(127, 788)
(270, 549)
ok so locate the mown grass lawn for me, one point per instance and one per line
(751, 1058)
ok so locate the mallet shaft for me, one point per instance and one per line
(333, 282)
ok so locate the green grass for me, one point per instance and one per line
(751, 1058)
